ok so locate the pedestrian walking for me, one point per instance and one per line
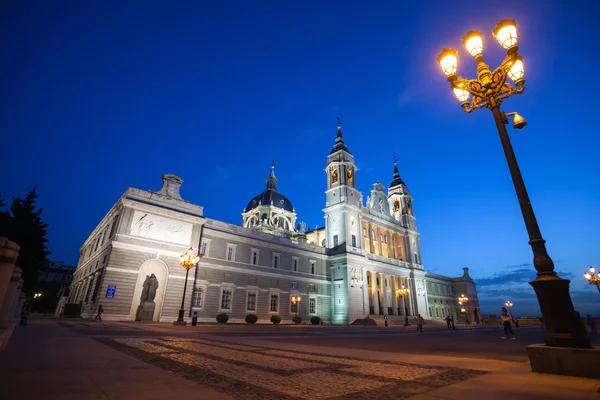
(592, 324)
(420, 321)
(506, 322)
(448, 322)
(452, 321)
(99, 315)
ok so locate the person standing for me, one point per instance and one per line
(420, 321)
(506, 322)
(99, 315)
(592, 324)
(448, 321)
(452, 321)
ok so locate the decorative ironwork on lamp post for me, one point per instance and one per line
(188, 260)
(462, 300)
(563, 325)
(403, 292)
(592, 278)
(509, 305)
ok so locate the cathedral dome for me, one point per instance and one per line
(270, 196)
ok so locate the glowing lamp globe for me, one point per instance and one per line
(473, 43)
(505, 33)
(448, 59)
(517, 72)
(461, 94)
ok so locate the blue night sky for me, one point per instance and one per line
(99, 96)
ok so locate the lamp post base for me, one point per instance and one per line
(180, 320)
(564, 327)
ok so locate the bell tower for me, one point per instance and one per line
(401, 206)
(343, 201)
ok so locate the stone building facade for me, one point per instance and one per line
(349, 269)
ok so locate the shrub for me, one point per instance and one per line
(297, 319)
(315, 320)
(251, 318)
(275, 319)
(222, 318)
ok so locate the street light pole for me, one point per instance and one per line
(509, 305)
(563, 324)
(403, 292)
(462, 300)
(188, 261)
(592, 278)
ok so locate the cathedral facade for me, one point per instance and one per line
(365, 261)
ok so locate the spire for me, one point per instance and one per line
(272, 180)
(397, 180)
(339, 140)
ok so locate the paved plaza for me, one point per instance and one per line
(59, 359)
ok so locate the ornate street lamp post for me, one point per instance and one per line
(462, 300)
(296, 301)
(563, 325)
(592, 278)
(188, 260)
(509, 305)
(403, 292)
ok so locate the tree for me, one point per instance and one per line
(26, 228)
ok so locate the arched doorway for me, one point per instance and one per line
(161, 272)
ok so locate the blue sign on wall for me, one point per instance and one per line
(110, 291)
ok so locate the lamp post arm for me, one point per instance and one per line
(541, 261)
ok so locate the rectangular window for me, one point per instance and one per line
(274, 305)
(353, 240)
(312, 267)
(369, 279)
(251, 301)
(254, 257)
(294, 307)
(312, 305)
(203, 249)
(416, 259)
(230, 252)
(113, 228)
(311, 287)
(226, 299)
(276, 261)
(385, 239)
(294, 285)
(335, 240)
(295, 264)
(381, 237)
(198, 299)
(377, 281)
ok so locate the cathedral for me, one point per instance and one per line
(365, 262)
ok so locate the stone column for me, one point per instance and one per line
(389, 243)
(374, 293)
(9, 251)
(385, 297)
(379, 241)
(371, 247)
(365, 288)
(394, 296)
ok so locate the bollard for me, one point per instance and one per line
(195, 318)
(386, 320)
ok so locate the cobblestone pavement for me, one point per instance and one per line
(249, 372)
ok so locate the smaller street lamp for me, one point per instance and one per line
(462, 300)
(509, 305)
(403, 292)
(188, 260)
(296, 301)
(592, 278)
